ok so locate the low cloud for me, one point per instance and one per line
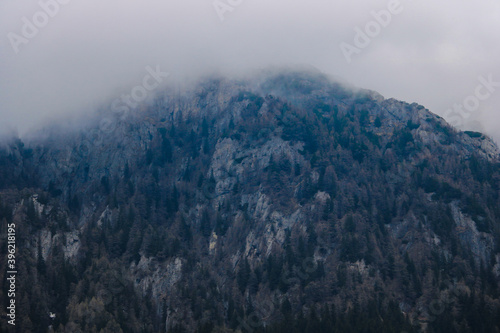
(85, 53)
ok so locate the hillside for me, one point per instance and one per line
(284, 202)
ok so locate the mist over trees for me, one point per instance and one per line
(292, 204)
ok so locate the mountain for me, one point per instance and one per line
(281, 202)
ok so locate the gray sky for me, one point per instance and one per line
(86, 52)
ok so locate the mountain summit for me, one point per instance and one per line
(284, 202)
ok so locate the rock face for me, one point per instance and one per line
(243, 204)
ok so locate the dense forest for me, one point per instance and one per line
(282, 203)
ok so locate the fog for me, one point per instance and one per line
(60, 58)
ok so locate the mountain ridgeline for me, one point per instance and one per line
(285, 202)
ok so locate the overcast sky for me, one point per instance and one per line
(436, 53)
